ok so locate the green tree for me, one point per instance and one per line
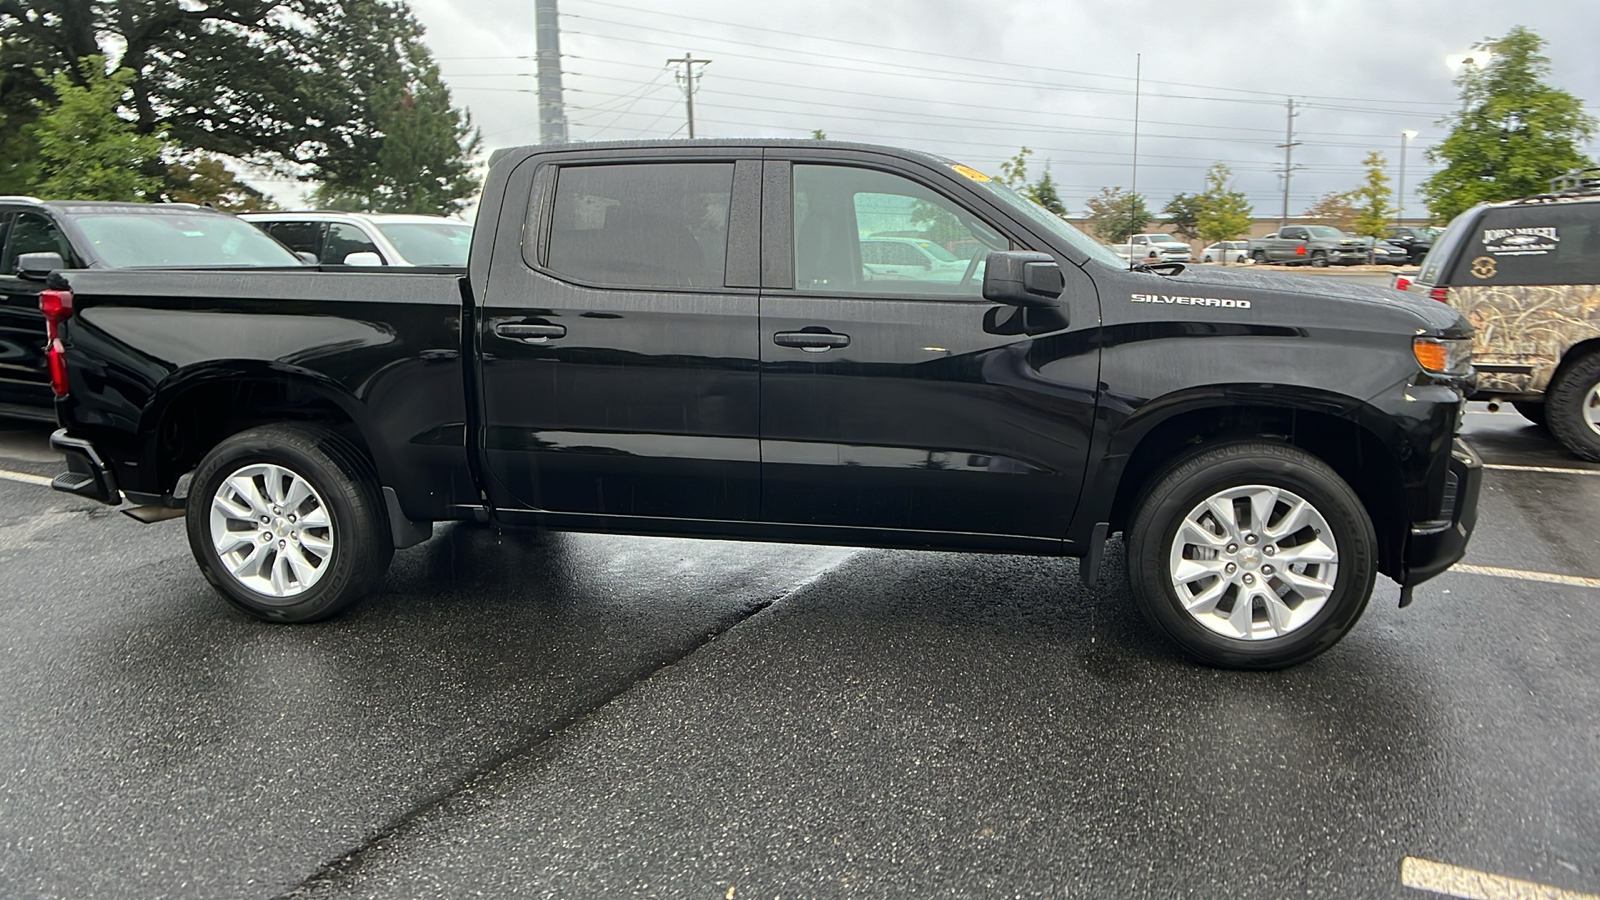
(1115, 214)
(1044, 193)
(1335, 208)
(1183, 214)
(206, 181)
(1513, 134)
(1224, 212)
(1371, 199)
(1014, 171)
(323, 80)
(23, 95)
(87, 151)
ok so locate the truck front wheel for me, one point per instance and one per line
(1251, 555)
(1572, 407)
(287, 523)
(1319, 258)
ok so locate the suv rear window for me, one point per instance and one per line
(1535, 244)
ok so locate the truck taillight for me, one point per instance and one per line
(57, 308)
(1440, 294)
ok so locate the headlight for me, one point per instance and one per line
(1443, 356)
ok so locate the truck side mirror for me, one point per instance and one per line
(364, 258)
(309, 259)
(1020, 278)
(38, 266)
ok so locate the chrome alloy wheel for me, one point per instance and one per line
(271, 530)
(1254, 562)
(1591, 408)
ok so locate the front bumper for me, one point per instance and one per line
(87, 474)
(1433, 547)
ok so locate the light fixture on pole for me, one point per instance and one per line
(1405, 141)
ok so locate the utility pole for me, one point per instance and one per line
(1405, 141)
(689, 78)
(547, 58)
(1133, 190)
(1288, 145)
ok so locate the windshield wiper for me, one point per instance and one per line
(1160, 268)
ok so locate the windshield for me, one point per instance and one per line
(430, 243)
(1166, 239)
(166, 239)
(1325, 231)
(1051, 223)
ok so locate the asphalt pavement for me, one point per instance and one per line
(587, 716)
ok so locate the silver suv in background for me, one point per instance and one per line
(369, 239)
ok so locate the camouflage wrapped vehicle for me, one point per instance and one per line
(1526, 273)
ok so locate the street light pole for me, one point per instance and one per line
(1400, 212)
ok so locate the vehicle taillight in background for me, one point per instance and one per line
(1440, 294)
(1401, 282)
(57, 308)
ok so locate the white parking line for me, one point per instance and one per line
(1525, 575)
(1454, 881)
(1547, 469)
(25, 478)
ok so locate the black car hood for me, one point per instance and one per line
(1435, 316)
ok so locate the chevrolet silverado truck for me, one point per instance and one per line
(683, 338)
(1308, 245)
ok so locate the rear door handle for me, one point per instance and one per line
(529, 333)
(811, 341)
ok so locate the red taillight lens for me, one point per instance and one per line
(1401, 283)
(57, 355)
(1440, 294)
(57, 308)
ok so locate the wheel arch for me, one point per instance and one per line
(1340, 430)
(1572, 356)
(197, 408)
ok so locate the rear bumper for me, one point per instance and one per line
(87, 474)
(1433, 547)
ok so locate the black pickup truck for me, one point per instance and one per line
(682, 338)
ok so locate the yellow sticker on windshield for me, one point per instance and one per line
(972, 173)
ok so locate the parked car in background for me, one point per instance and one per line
(1416, 241)
(1225, 252)
(1379, 252)
(369, 239)
(1158, 248)
(1313, 245)
(39, 237)
(910, 259)
(1527, 275)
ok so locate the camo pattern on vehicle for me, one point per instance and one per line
(1526, 325)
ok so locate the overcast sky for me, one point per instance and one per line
(975, 81)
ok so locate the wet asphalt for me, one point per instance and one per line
(584, 716)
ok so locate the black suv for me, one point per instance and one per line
(1416, 241)
(38, 237)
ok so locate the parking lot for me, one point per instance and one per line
(587, 716)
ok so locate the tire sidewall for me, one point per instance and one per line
(339, 490)
(1564, 407)
(1178, 492)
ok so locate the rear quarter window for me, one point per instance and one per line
(1551, 243)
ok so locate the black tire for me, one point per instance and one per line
(1532, 410)
(1186, 484)
(1319, 259)
(1260, 256)
(343, 479)
(1572, 403)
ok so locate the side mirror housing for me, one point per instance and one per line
(38, 266)
(1020, 278)
(364, 258)
(309, 259)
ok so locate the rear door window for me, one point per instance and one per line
(301, 237)
(652, 225)
(1535, 244)
(342, 241)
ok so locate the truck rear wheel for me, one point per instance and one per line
(1572, 407)
(287, 523)
(1251, 555)
(1260, 257)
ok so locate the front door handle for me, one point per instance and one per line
(811, 341)
(529, 333)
